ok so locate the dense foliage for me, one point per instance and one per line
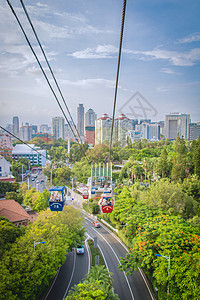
(96, 285)
(6, 187)
(161, 219)
(8, 234)
(25, 272)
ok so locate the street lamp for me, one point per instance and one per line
(22, 174)
(168, 258)
(36, 243)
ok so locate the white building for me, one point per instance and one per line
(177, 124)
(5, 168)
(103, 127)
(24, 151)
(133, 135)
(57, 127)
(123, 125)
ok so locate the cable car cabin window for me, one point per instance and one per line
(55, 196)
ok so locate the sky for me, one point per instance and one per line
(160, 60)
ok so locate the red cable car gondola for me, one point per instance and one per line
(85, 194)
(106, 203)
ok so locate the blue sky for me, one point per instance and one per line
(160, 58)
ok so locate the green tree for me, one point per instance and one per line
(82, 170)
(77, 151)
(170, 197)
(25, 272)
(8, 234)
(196, 156)
(41, 202)
(162, 166)
(15, 196)
(61, 175)
(191, 186)
(180, 161)
(87, 291)
(30, 197)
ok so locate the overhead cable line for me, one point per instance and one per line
(51, 71)
(118, 67)
(22, 141)
(49, 84)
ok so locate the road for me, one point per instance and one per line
(127, 287)
(71, 273)
(75, 267)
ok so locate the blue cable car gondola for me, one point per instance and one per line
(57, 198)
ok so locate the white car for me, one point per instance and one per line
(80, 249)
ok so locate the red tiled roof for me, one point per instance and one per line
(13, 211)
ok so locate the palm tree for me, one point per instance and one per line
(101, 274)
(137, 170)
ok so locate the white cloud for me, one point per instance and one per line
(168, 71)
(175, 58)
(90, 82)
(101, 51)
(20, 57)
(195, 37)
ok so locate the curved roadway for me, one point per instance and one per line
(127, 287)
(75, 267)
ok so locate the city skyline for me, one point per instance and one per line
(160, 58)
(49, 124)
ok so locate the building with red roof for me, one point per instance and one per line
(103, 126)
(14, 212)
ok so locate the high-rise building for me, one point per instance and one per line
(154, 131)
(57, 127)
(25, 133)
(145, 131)
(194, 131)
(145, 120)
(80, 119)
(34, 129)
(177, 124)
(9, 127)
(122, 124)
(16, 126)
(134, 122)
(90, 118)
(44, 128)
(103, 127)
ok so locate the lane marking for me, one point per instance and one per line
(52, 284)
(150, 292)
(116, 237)
(118, 262)
(71, 276)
